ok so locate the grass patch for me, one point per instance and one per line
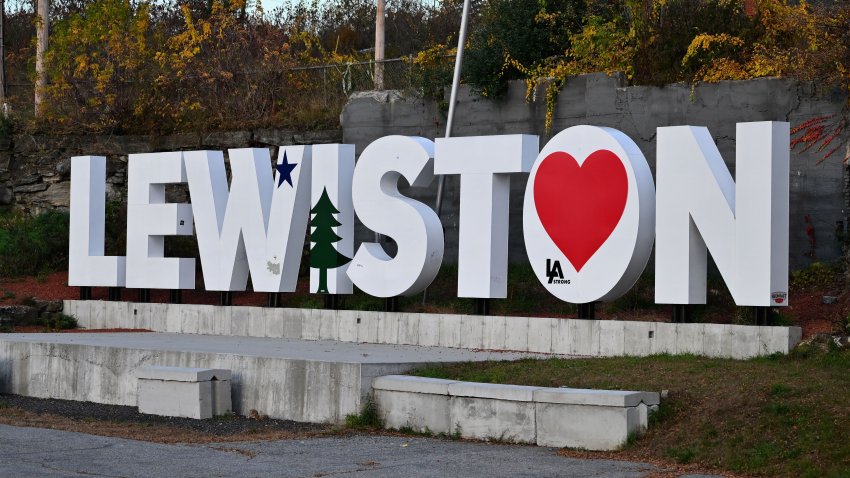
(367, 419)
(773, 416)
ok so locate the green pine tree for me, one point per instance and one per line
(323, 255)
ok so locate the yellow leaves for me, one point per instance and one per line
(713, 55)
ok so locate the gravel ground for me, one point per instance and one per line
(36, 452)
(222, 426)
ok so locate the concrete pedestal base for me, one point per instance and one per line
(308, 381)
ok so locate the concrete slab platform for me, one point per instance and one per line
(596, 338)
(318, 381)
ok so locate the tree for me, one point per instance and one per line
(323, 255)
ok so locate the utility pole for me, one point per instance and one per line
(40, 50)
(2, 58)
(481, 305)
(379, 45)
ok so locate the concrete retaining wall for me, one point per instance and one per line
(817, 190)
(596, 338)
(107, 375)
(559, 417)
(35, 169)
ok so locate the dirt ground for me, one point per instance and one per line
(807, 309)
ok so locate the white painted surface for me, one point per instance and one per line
(380, 206)
(333, 170)
(743, 222)
(150, 219)
(485, 164)
(87, 264)
(558, 225)
(257, 224)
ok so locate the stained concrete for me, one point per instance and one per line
(595, 338)
(307, 381)
(562, 417)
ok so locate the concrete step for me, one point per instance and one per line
(318, 381)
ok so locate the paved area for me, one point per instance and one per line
(36, 452)
(318, 350)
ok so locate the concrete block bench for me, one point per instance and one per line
(557, 417)
(184, 391)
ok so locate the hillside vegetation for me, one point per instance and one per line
(123, 66)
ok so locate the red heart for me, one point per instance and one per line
(579, 206)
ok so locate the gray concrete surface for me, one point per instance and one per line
(595, 338)
(34, 452)
(560, 417)
(311, 381)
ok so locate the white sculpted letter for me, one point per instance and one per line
(150, 219)
(744, 224)
(484, 164)
(258, 225)
(380, 206)
(87, 266)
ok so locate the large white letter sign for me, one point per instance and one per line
(744, 224)
(332, 218)
(589, 214)
(257, 226)
(380, 206)
(484, 164)
(87, 266)
(150, 219)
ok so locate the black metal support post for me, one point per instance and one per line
(587, 311)
(482, 306)
(225, 298)
(144, 295)
(761, 315)
(391, 304)
(114, 293)
(175, 296)
(681, 313)
(273, 299)
(332, 301)
(85, 293)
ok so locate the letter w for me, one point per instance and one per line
(258, 225)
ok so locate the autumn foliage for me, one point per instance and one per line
(124, 66)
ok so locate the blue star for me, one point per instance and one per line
(284, 171)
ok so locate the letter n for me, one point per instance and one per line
(700, 208)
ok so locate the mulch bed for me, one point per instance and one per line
(806, 309)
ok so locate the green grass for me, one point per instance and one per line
(774, 416)
(367, 419)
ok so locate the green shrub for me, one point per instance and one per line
(523, 31)
(818, 275)
(60, 321)
(30, 245)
